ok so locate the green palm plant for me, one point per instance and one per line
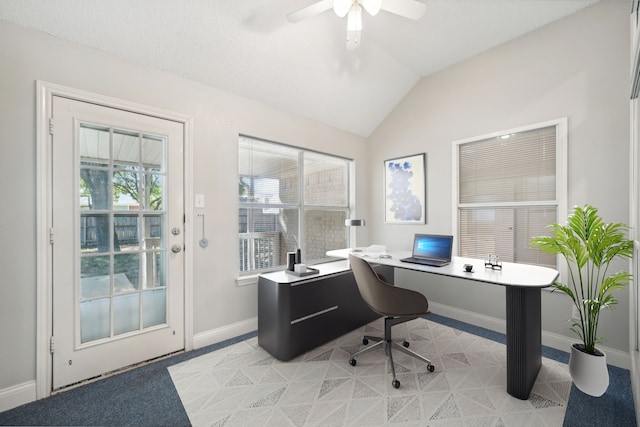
(588, 245)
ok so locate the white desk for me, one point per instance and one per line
(523, 307)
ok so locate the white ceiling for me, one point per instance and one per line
(247, 47)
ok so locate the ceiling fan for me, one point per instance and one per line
(352, 9)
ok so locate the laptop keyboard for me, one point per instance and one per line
(423, 261)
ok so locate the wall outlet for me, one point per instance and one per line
(575, 314)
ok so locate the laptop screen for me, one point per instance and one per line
(432, 246)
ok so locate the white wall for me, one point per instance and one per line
(577, 68)
(27, 56)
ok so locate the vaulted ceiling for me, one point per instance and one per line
(249, 48)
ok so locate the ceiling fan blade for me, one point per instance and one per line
(342, 7)
(411, 9)
(309, 11)
(372, 6)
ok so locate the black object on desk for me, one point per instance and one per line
(309, 272)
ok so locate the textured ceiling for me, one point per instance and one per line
(247, 47)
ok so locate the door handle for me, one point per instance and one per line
(176, 248)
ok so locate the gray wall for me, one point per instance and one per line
(577, 68)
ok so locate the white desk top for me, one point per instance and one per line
(512, 274)
(325, 269)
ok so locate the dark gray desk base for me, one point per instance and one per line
(524, 340)
(294, 318)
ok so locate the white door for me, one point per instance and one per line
(118, 238)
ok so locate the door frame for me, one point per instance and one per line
(44, 274)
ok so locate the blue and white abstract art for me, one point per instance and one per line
(405, 190)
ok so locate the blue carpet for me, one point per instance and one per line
(141, 397)
(146, 396)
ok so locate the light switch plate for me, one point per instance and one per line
(199, 200)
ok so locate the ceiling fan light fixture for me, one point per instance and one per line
(352, 9)
(353, 39)
(354, 18)
(354, 26)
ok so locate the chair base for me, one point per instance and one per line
(389, 344)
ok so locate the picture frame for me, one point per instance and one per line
(405, 190)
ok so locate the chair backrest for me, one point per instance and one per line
(382, 297)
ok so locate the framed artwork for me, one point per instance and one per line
(404, 190)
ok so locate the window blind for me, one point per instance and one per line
(507, 195)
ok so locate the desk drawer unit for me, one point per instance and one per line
(312, 298)
(295, 316)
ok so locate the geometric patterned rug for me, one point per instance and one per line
(243, 385)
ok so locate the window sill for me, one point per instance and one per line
(247, 280)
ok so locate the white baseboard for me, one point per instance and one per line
(17, 395)
(226, 332)
(618, 358)
(470, 317)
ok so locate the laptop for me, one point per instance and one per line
(431, 249)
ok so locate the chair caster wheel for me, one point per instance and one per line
(406, 344)
(430, 368)
(365, 341)
(352, 362)
(395, 384)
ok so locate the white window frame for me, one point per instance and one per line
(561, 174)
(248, 277)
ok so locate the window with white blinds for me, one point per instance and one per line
(508, 191)
(290, 198)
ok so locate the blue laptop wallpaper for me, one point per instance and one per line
(432, 246)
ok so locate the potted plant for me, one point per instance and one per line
(588, 245)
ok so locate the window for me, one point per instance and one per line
(510, 186)
(289, 198)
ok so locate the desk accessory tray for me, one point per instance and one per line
(310, 271)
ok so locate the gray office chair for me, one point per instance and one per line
(398, 305)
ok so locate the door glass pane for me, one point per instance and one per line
(154, 189)
(95, 191)
(126, 236)
(126, 149)
(126, 190)
(94, 230)
(126, 313)
(153, 232)
(95, 277)
(126, 271)
(94, 146)
(122, 177)
(153, 153)
(94, 320)
(154, 270)
(154, 307)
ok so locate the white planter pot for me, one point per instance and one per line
(589, 372)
